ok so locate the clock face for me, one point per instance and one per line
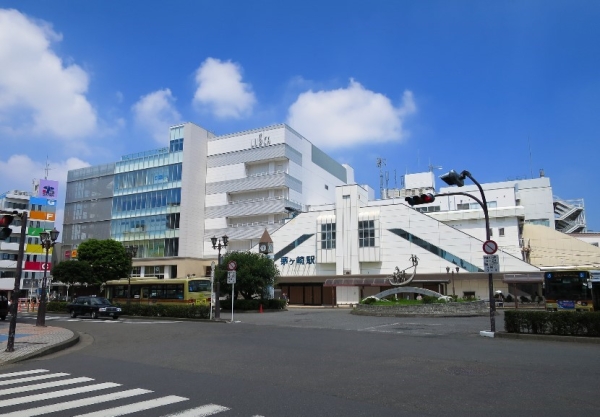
(262, 247)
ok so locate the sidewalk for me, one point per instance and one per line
(32, 341)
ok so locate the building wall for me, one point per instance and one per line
(193, 191)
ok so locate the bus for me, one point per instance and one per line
(568, 291)
(160, 291)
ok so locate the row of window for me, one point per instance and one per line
(475, 206)
(150, 176)
(149, 200)
(366, 234)
(146, 224)
(156, 248)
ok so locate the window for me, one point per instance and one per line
(366, 233)
(326, 187)
(328, 236)
(464, 206)
(491, 232)
(469, 294)
(501, 231)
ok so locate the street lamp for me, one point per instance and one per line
(219, 245)
(454, 178)
(48, 241)
(448, 271)
(132, 252)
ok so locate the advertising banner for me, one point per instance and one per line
(38, 266)
(48, 189)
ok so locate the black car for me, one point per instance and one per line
(3, 306)
(94, 306)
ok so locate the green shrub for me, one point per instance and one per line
(189, 311)
(428, 299)
(369, 300)
(56, 306)
(245, 305)
(564, 323)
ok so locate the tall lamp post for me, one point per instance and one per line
(132, 252)
(448, 271)
(218, 244)
(454, 178)
(48, 240)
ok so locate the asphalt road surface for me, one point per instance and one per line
(305, 362)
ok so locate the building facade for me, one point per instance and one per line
(40, 205)
(169, 202)
(340, 253)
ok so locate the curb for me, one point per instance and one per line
(548, 337)
(47, 350)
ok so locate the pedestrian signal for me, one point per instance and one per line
(5, 231)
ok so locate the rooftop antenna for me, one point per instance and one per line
(47, 168)
(380, 165)
(432, 167)
(395, 180)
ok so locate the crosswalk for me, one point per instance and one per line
(19, 391)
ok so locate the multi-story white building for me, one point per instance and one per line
(169, 202)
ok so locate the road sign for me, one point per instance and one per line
(231, 265)
(491, 263)
(490, 247)
(231, 277)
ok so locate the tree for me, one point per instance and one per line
(107, 258)
(71, 272)
(255, 273)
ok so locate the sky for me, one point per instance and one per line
(502, 89)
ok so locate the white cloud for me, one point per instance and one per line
(39, 94)
(19, 171)
(349, 116)
(155, 112)
(221, 90)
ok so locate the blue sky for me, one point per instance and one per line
(502, 89)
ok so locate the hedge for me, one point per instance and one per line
(180, 311)
(191, 311)
(271, 304)
(563, 323)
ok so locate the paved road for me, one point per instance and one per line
(319, 363)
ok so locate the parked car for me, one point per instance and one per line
(96, 307)
(3, 306)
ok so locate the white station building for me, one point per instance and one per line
(340, 253)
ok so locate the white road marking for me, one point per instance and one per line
(33, 371)
(382, 325)
(52, 408)
(57, 394)
(44, 385)
(32, 378)
(203, 411)
(135, 407)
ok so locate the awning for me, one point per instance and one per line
(531, 278)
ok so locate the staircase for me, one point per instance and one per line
(569, 215)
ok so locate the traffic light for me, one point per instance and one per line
(5, 231)
(415, 200)
(454, 178)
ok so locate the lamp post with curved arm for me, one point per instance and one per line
(48, 240)
(454, 178)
